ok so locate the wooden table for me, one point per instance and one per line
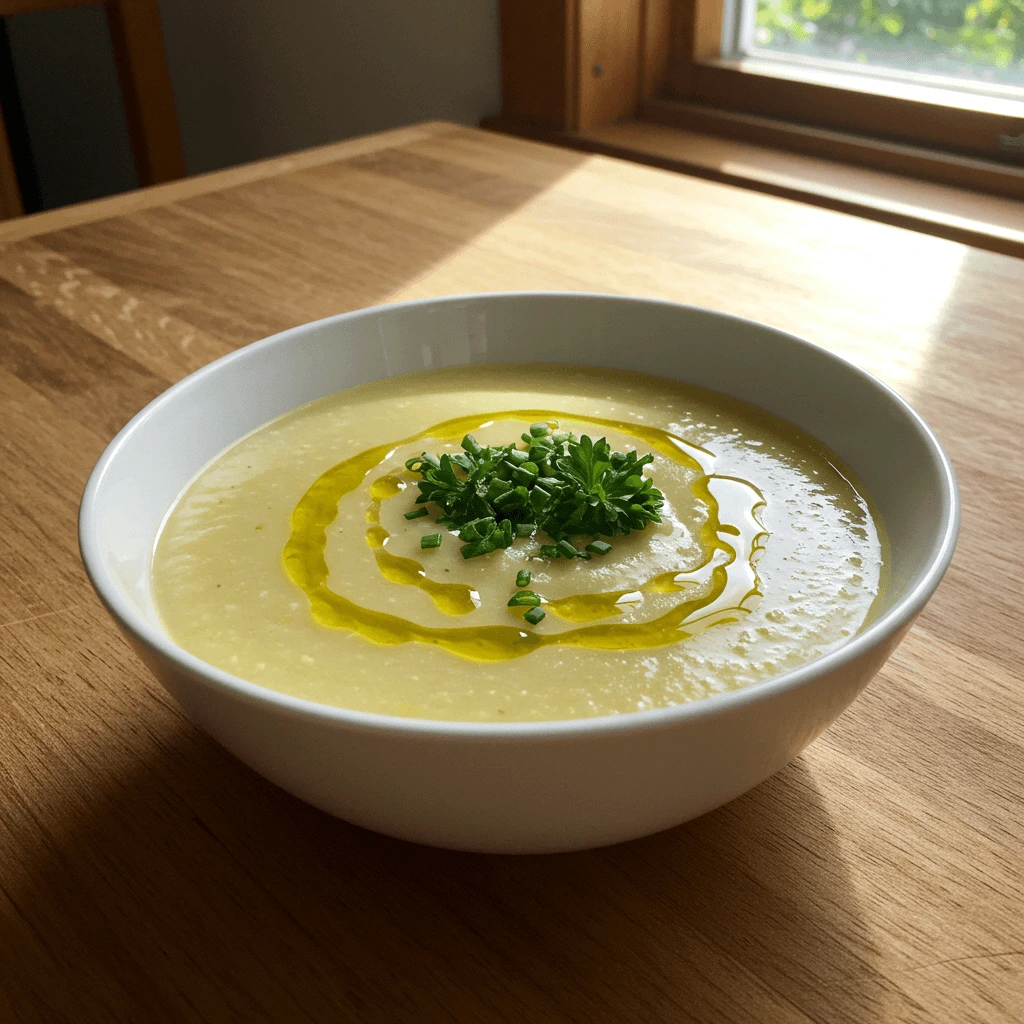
(147, 876)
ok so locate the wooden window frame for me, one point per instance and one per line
(926, 116)
(571, 66)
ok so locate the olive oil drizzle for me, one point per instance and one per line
(305, 565)
(451, 598)
(592, 607)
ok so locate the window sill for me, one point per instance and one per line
(962, 215)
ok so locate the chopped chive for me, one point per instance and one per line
(430, 540)
(539, 497)
(478, 529)
(539, 430)
(599, 547)
(478, 547)
(567, 548)
(526, 473)
(417, 513)
(526, 529)
(511, 499)
(505, 529)
(471, 445)
(524, 599)
(497, 486)
(534, 615)
(523, 578)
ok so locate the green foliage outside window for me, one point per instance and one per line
(979, 39)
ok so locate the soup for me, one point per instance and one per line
(640, 543)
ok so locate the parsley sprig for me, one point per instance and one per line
(564, 486)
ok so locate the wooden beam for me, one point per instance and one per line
(609, 60)
(539, 71)
(576, 64)
(655, 36)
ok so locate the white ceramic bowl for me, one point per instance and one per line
(520, 787)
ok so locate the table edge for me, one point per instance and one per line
(20, 228)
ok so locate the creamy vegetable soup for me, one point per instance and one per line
(518, 543)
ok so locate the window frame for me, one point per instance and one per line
(665, 70)
(963, 123)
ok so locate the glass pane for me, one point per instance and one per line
(980, 42)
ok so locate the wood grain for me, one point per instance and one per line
(200, 184)
(966, 173)
(147, 876)
(988, 222)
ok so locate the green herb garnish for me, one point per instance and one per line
(484, 535)
(524, 599)
(562, 485)
(430, 540)
(523, 578)
(567, 548)
(534, 615)
(416, 513)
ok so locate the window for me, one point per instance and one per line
(929, 89)
(945, 74)
(974, 45)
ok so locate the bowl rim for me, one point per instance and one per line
(891, 623)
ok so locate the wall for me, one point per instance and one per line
(252, 78)
(64, 67)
